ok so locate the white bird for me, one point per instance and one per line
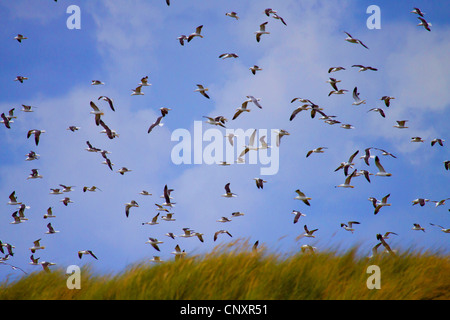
(109, 100)
(228, 193)
(178, 253)
(154, 220)
(216, 234)
(298, 214)
(171, 235)
(254, 100)
(168, 217)
(261, 31)
(386, 235)
(243, 108)
(96, 82)
(66, 201)
(34, 261)
(364, 68)
(20, 37)
(123, 170)
(20, 79)
(445, 230)
(46, 264)
(50, 228)
(424, 23)
(37, 134)
(197, 33)
(349, 225)
(417, 139)
(91, 189)
(347, 126)
(224, 219)
(154, 242)
(309, 233)
(36, 246)
(354, 40)
(34, 174)
(144, 82)
(129, 205)
(237, 214)
(160, 208)
(13, 199)
(379, 204)
(401, 124)
(387, 100)
(137, 91)
(49, 213)
(26, 108)
(301, 196)
(145, 193)
(348, 164)
(379, 110)
(156, 259)
(438, 141)
(182, 38)
(347, 181)
(6, 120)
(418, 227)
(356, 97)
(259, 183)
(32, 156)
(280, 133)
(335, 69)
(440, 202)
(316, 150)
(255, 68)
(381, 172)
(232, 14)
(228, 55)
(202, 90)
(73, 128)
(340, 91)
(17, 219)
(278, 17)
(420, 201)
(308, 247)
(97, 112)
(84, 252)
(418, 12)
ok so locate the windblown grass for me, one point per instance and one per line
(234, 272)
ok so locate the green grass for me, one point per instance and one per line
(234, 272)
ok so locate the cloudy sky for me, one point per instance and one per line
(120, 42)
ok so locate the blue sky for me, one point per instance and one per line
(121, 41)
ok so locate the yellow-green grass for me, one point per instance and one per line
(234, 272)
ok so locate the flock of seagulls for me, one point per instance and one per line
(163, 209)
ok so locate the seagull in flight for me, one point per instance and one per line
(356, 97)
(301, 196)
(20, 37)
(37, 135)
(109, 100)
(348, 226)
(232, 14)
(228, 193)
(424, 23)
(137, 91)
(354, 40)
(86, 252)
(202, 90)
(197, 33)
(261, 31)
(129, 205)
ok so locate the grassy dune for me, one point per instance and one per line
(235, 272)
